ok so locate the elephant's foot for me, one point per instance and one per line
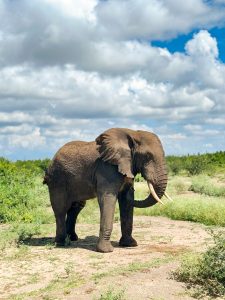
(59, 242)
(73, 236)
(104, 246)
(127, 241)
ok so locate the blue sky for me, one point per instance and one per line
(71, 69)
(178, 44)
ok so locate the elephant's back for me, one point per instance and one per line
(77, 152)
(75, 158)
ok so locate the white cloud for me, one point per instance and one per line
(202, 45)
(79, 8)
(155, 19)
(191, 127)
(71, 69)
(216, 121)
(30, 140)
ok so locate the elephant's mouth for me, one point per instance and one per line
(152, 199)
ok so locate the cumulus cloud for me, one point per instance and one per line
(202, 45)
(71, 69)
(155, 19)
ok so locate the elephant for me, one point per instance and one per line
(105, 168)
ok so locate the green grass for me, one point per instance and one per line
(111, 294)
(132, 267)
(16, 233)
(208, 211)
(204, 273)
(59, 285)
(195, 207)
(203, 184)
(90, 214)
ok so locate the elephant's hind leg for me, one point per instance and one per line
(72, 214)
(58, 202)
(60, 229)
(126, 198)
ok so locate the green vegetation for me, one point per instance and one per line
(196, 207)
(208, 211)
(204, 185)
(205, 273)
(132, 267)
(60, 284)
(16, 233)
(24, 200)
(110, 294)
(197, 164)
(22, 196)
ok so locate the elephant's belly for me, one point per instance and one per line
(82, 191)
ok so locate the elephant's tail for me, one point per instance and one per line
(46, 177)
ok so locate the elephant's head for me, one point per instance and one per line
(136, 152)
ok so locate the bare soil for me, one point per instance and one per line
(38, 270)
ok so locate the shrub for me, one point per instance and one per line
(25, 231)
(205, 273)
(201, 184)
(180, 186)
(196, 166)
(16, 233)
(176, 167)
(21, 193)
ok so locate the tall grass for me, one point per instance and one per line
(204, 185)
(208, 211)
(188, 207)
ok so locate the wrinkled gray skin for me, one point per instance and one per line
(104, 168)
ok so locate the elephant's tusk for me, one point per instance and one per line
(152, 190)
(167, 196)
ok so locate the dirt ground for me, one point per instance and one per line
(38, 270)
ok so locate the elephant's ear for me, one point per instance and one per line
(115, 147)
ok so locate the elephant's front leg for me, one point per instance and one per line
(126, 198)
(107, 202)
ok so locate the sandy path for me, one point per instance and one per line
(40, 271)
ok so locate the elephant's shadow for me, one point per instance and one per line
(89, 243)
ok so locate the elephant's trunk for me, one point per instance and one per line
(156, 191)
(149, 201)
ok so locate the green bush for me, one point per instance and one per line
(22, 195)
(17, 233)
(196, 166)
(205, 273)
(180, 186)
(35, 166)
(176, 167)
(204, 185)
(25, 231)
